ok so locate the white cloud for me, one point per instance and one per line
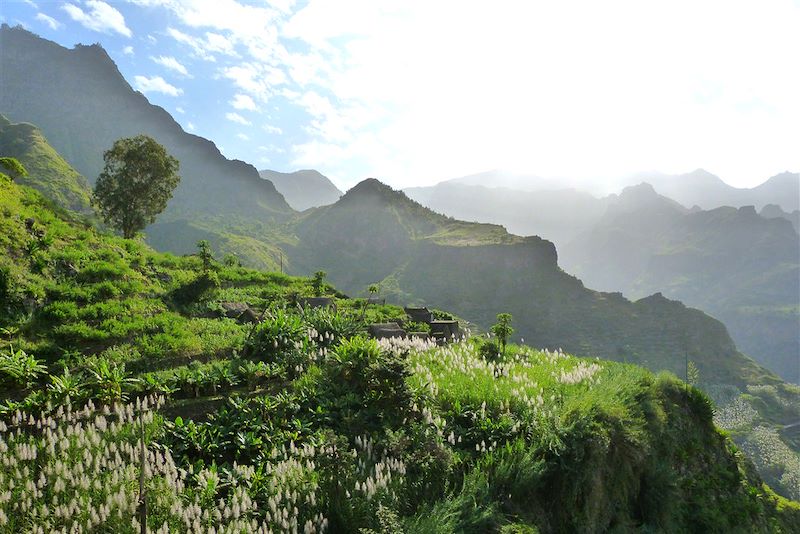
(243, 102)
(171, 63)
(272, 148)
(156, 84)
(194, 43)
(190, 126)
(32, 4)
(243, 137)
(405, 90)
(48, 20)
(128, 50)
(100, 17)
(180, 110)
(204, 47)
(235, 117)
(533, 87)
(272, 129)
(257, 79)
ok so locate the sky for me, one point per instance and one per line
(414, 92)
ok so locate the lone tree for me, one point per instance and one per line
(318, 283)
(136, 183)
(503, 330)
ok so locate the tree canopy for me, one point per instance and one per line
(503, 329)
(136, 183)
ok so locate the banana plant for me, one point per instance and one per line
(20, 368)
(110, 382)
(66, 387)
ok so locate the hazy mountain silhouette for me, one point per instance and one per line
(303, 189)
(557, 215)
(773, 211)
(741, 268)
(708, 191)
(509, 180)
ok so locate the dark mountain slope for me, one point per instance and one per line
(303, 189)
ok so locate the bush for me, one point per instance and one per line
(368, 386)
(331, 326)
(281, 339)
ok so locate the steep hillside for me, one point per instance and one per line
(701, 188)
(92, 105)
(732, 263)
(131, 357)
(47, 170)
(374, 234)
(303, 189)
(478, 270)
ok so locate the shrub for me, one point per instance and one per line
(281, 339)
(331, 326)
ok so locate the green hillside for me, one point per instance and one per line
(375, 234)
(298, 424)
(47, 170)
(92, 106)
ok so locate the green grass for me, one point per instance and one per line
(435, 439)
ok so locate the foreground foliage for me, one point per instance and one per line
(299, 423)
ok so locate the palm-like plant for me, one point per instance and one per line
(20, 368)
(66, 387)
(110, 382)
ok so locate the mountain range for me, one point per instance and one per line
(742, 268)
(371, 234)
(374, 234)
(703, 189)
(739, 266)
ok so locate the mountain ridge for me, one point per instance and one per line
(92, 105)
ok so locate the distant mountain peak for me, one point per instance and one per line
(643, 196)
(373, 188)
(303, 189)
(642, 189)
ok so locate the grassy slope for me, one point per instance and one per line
(47, 170)
(543, 440)
(374, 234)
